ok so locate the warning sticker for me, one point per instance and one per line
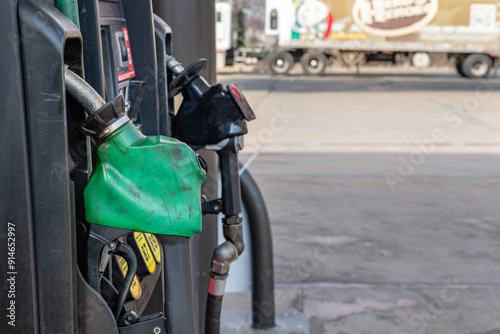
(125, 55)
(126, 75)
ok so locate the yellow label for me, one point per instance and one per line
(154, 245)
(146, 254)
(135, 287)
(123, 265)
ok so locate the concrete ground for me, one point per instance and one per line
(384, 196)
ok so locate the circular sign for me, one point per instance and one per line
(392, 18)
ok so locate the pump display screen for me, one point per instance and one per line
(123, 49)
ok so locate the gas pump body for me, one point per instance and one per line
(15, 178)
(45, 236)
(53, 297)
(111, 278)
(145, 86)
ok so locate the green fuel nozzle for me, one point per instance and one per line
(141, 183)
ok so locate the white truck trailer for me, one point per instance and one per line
(313, 32)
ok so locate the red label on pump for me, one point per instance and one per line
(126, 75)
(131, 72)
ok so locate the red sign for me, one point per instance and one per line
(131, 72)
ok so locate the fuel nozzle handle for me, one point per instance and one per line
(229, 166)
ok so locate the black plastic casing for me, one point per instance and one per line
(208, 118)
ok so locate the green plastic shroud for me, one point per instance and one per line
(70, 9)
(150, 184)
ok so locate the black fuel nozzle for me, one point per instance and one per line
(208, 114)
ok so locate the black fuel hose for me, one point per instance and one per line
(212, 319)
(128, 254)
(263, 307)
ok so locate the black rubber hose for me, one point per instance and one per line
(212, 319)
(263, 308)
(128, 254)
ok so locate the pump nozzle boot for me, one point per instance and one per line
(140, 183)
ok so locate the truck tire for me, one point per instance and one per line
(281, 62)
(476, 65)
(314, 63)
(458, 65)
(421, 60)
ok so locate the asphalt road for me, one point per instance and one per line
(383, 192)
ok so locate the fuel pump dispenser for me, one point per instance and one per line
(123, 58)
(112, 199)
(140, 183)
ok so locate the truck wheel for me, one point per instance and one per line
(459, 65)
(476, 65)
(281, 62)
(314, 63)
(421, 60)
